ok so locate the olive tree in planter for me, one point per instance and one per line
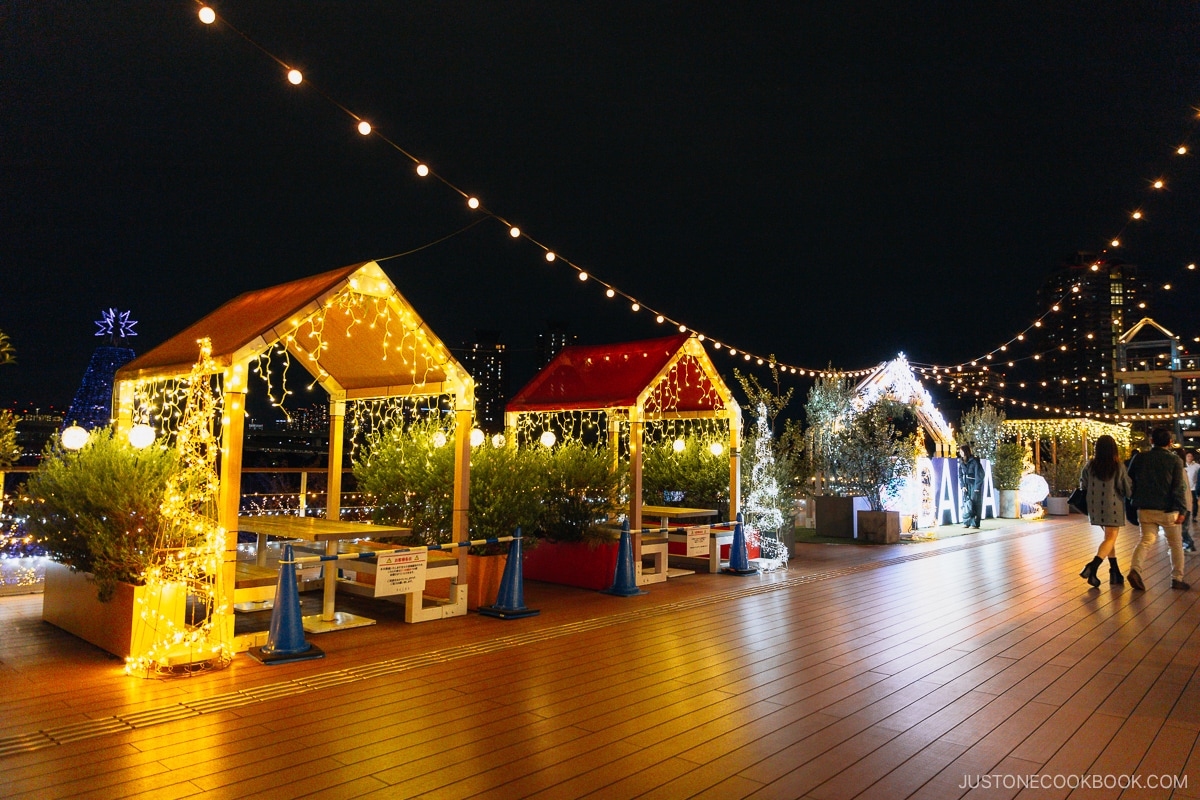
(701, 478)
(507, 492)
(873, 460)
(98, 514)
(1007, 469)
(409, 473)
(828, 411)
(582, 490)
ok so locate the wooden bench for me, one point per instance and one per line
(253, 586)
(654, 550)
(442, 565)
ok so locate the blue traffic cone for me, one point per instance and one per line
(510, 600)
(624, 576)
(739, 562)
(285, 638)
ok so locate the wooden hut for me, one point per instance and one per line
(358, 338)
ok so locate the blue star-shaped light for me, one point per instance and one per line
(114, 324)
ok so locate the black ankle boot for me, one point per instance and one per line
(1115, 577)
(1089, 573)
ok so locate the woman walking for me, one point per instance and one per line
(1106, 484)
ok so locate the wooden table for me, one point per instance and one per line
(315, 529)
(668, 513)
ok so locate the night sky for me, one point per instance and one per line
(829, 182)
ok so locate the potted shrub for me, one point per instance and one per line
(506, 494)
(581, 489)
(1006, 472)
(97, 513)
(409, 473)
(874, 460)
(828, 410)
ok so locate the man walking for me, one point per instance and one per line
(1160, 495)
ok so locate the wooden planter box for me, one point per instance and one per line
(572, 564)
(879, 527)
(69, 602)
(837, 517)
(484, 574)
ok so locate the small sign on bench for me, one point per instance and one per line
(697, 541)
(400, 573)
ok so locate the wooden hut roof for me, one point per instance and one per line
(622, 375)
(350, 328)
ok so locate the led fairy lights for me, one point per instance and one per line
(189, 550)
(422, 169)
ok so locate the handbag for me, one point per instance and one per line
(1078, 501)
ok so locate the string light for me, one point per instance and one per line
(207, 15)
(295, 77)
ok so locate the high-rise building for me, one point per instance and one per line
(1097, 299)
(486, 359)
(552, 340)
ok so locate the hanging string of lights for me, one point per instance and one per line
(295, 77)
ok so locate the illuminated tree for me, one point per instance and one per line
(981, 428)
(762, 501)
(871, 457)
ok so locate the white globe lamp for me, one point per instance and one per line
(75, 437)
(141, 436)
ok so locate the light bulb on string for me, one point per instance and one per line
(514, 232)
(422, 170)
(635, 306)
(659, 319)
(207, 15)
(550, 256)
(1116, 242)
(610, 293)
(364, 127)
(472, 202)
(1158, 184)
(583, 276)
(295, 77)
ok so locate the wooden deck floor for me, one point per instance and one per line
(869, 672)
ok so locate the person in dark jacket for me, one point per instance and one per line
(1160, 495)
(971, 476)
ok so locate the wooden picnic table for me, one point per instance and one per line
(665, 515)
(316, 529)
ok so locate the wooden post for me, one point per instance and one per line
(735, 465)
(463, 411)
(229, 496)
(636, 437)
(337, 429)
(304, 494)
(613, 428)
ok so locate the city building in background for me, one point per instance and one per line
(486, 359)
(1098, 300)
(552, 340)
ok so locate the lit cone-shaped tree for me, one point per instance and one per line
(762, 502)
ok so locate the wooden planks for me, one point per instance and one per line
(897, 676)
